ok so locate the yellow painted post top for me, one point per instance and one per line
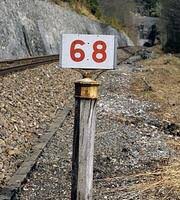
(86, 89)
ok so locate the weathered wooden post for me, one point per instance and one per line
(86, 94)
(92, 52)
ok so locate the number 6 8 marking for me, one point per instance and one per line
(102, 51)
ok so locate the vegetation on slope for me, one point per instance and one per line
(116, 13)
(86, 7)
(91, 9)
(150, 7)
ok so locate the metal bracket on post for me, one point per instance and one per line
(86, 94)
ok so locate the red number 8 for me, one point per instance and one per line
(99, 51)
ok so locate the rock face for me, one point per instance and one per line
(31, 28)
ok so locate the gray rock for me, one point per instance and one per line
(31, 28)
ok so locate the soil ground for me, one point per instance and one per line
(159, 81)
(137, 140)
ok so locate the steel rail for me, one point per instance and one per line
(15, 65)
(11, 66)
(9, 61)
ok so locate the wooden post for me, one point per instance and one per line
(86, 94)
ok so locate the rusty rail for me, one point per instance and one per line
(15, 65)
(10, 66)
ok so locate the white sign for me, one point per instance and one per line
(88, 51)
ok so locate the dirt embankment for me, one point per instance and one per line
(134, 158)
(159, 81)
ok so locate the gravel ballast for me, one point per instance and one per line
(29, 101)
(128, 143)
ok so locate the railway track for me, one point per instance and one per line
(11, 66)
(15, 65)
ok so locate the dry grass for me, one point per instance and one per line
(78, 7)
(168, 180)
(174, 144)
(170, 176)
(163, 76)
(83, 10)
(162, 184)
(61, 3)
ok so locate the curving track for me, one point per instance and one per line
(15, 65)
(10, 66)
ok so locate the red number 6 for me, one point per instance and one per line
(74, 51)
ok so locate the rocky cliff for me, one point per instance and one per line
(31, 28)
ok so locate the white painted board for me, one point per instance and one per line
(88, 51)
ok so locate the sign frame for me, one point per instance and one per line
(66, 62)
